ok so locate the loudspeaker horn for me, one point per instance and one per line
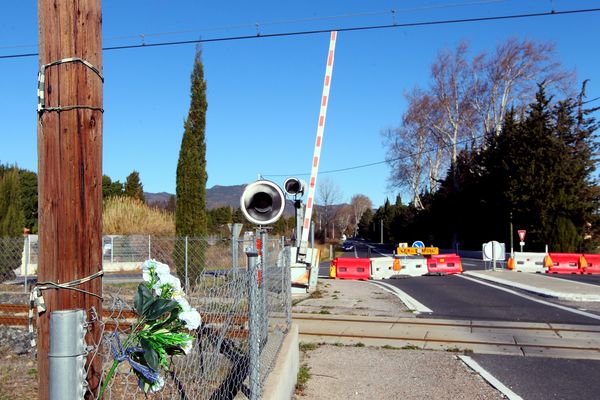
(294, 186)
(262, 202)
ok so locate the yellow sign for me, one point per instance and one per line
(417, 250)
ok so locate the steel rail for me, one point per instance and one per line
(423, 322)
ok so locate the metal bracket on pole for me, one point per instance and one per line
(67, 355)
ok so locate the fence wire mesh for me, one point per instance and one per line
(215, 277)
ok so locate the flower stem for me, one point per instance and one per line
(109, 376)
(115, 363)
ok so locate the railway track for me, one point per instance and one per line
(495, 337)
(17, 315)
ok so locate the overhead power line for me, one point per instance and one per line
(258, 35)
(387, 161)
(259, 24)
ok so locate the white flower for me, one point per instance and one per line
(183, 303)
(152, 265)
(156, 386)
(171, 280)
(188, 346)
(191, 318)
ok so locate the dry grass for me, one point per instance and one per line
(128, 216)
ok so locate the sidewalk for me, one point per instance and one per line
(541, 284)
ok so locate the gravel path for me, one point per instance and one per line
(376, 373)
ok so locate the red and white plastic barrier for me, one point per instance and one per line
(564, 263)
(410, 265)
(527, 262)
(352, 268)
(382, 268)
(444, 264)
(592, 264)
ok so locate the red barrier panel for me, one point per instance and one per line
(563, 263)
(593, 264)
(444, 264)
(352, 268)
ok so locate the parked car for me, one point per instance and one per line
(348, 246)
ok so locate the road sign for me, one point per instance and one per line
(493, 251)
(418, 243)
(522, 233)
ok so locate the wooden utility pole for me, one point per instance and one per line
(70, 168)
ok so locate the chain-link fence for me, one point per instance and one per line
(244, 303)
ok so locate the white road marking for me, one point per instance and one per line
(410, 302)
(547, 303)
(510, 395)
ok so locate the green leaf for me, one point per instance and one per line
(150, 355)
(159, 307)
(143, 298)
(171, 318)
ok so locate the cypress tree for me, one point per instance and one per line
(12, 222)
(190, 213)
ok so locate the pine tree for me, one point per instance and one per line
(110, 188)
(134, 187)
(190, 214)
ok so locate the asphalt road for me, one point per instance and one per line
(453, 297)
(537, 378)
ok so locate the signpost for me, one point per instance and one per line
(522, 233)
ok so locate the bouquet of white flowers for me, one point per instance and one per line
(161, 329)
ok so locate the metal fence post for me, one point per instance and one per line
(264, 238)
(27, 257)
(187, 281)
(253, 325)
(234, 252)
(66, 358)
(287, 286)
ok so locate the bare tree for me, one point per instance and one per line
(466, 100)
(358, 205)
(344, 219)
(510, 75)
(328, 194)
(415, 152)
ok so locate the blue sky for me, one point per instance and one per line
(264, 94)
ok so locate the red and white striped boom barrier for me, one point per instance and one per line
(317, 152)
